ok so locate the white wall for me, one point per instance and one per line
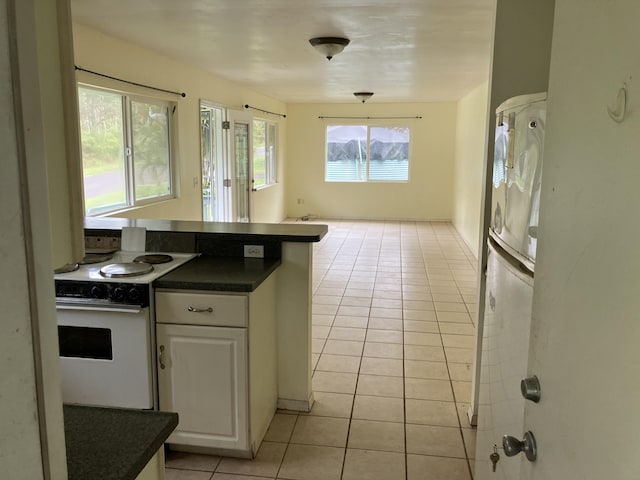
(60, 118)
(585, 330)
(32, 443)
(471, 148)
(20, 432)
(427, 195)
(108, 55)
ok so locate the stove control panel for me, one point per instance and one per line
(103, 292)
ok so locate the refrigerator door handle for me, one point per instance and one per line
(511, 141)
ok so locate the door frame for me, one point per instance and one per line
(226, 208)
(222, 211)
(240, 117)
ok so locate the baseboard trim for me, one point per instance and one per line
(296, 405)
(472, 416)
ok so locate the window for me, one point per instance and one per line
(126, 149)
(264, 153)
(361, 153)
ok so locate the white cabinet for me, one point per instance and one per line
(204, 379)
(217, 367)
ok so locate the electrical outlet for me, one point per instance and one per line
(254, 251)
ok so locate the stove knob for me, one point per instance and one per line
(118, 294)
(97, 291)
(134, 295)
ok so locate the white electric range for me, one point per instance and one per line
(106, 329)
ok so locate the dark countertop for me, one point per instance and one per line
(113, 443)
(227, 274)
(285, 232)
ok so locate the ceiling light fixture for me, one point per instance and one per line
(363, 96)
(329, 46)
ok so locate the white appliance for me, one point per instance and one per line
(517, 168)
(106, 329)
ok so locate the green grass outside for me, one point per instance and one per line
(117, 198)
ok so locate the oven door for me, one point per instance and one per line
(106, 355)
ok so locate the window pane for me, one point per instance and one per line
(389, 153)
(271, 150)
(241, 132)
(103, 160)
(150, 134)
(259, 154)
(346, 153)
(208, 167)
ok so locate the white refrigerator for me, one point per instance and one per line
(517, 167)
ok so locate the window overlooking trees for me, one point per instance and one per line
(126, 149)
(361, 153)
(264, 153)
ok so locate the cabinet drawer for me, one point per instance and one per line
(190, 308)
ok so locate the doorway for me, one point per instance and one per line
(226, 151)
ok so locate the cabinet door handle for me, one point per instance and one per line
(200, 310)
(161, 357)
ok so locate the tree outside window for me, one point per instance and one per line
(126, 149)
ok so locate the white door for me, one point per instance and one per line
(202, 375)
(215, 165)
(226, 154)
(241, 152)
(585, 337)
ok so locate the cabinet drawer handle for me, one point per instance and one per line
(161, 358)
(200, 310)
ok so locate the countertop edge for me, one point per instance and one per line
(240, 286)
(285, 232)
(97, 436)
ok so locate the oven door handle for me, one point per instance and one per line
(120, 309)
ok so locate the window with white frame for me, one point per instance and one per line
(126, 149)
(367, 153)
(264, 153)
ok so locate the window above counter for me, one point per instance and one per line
(127, 155)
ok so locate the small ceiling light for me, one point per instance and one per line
(363, 96)
(329, 46)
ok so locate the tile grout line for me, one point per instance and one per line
(404, 375)
(464, 445)
(353, 402)
(286, 449)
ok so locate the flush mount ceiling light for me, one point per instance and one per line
(329, 46)
(363, 96)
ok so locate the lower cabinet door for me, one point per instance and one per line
(202, 375)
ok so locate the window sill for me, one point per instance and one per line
(115, 213)
(365, 182)
(264, 187)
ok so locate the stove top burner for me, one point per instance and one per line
(90, 258)
(128, 269)
(154, 259)
(69, 267)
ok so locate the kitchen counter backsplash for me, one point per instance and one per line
(171, 242)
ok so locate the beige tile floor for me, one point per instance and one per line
(393, 337)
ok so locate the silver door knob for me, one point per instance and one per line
(530, 388)
(512, 446)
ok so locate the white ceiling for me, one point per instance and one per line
(402, 50)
